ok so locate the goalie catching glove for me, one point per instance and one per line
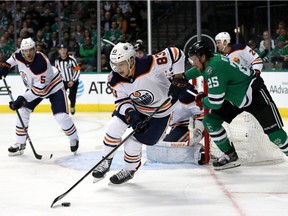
(18, 103)
(4, 69)
(134, 120)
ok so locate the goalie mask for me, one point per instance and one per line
(122, 53)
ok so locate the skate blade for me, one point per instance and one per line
(18, 153)
(95, 180)
(117, 185)
(228, 166)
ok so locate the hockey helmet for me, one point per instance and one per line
(27, 43)
(139, 47)
(199, 48)
(222, 36)
(121, 52)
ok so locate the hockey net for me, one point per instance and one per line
(251, 143)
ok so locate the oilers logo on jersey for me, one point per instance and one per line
(142, 97)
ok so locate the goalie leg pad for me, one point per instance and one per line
(197, 132)
(198, 154)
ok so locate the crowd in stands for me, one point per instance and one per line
(51, 23)
(275, 53)
(74, 23)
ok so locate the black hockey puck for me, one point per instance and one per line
(66, 204)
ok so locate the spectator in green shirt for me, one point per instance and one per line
(114, 35)
(277, 54)
(88, 52)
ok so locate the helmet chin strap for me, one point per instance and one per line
(203, 64)
(224, 47)
(131, 69)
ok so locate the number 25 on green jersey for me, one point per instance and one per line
(213, 82)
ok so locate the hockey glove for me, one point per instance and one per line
(257, 72)
(18, 103)
(199, 98)
(134, 120)
(4, 69)
(177, 88)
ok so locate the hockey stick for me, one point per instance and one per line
(111, 152)
(39, 157)
(192, 93)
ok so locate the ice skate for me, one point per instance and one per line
(16, 149)
(122, 176)
(227, 161)
(100, 171)
(74, 144)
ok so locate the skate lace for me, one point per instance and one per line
(73, 142)
(103, 166)
(18, 145)
(224, 157)
(123, 174)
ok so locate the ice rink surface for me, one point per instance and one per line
(29, 186)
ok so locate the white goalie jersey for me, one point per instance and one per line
(148, 86)
(40, 77)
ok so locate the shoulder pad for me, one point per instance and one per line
(240, 46)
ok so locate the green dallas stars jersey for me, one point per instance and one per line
(226, 80)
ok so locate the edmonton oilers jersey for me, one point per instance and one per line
(39, 76)
(148, 86)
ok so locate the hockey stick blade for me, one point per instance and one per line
(110, 153)
(37, 156)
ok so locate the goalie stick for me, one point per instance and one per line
(37, 156)
(111, 152)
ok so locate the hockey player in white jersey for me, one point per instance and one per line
(139, 87)
(42, 81)
(240, 53)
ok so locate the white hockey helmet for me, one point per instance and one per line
(222, 36)
(121, 52)
(27, 43)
